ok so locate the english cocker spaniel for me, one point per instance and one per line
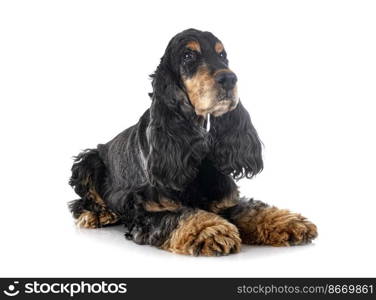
(170, 178)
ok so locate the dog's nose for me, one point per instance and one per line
(226, 79)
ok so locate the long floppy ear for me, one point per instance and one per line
(236, 147)
(176, 141)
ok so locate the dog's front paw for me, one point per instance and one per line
(276, 227)
(204, 233)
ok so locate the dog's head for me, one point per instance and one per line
(198, 63)
(193, 80)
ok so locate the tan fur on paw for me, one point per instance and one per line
(275, 227)
(204, 233)
(107, 217)
(87, 219)
(93, 220)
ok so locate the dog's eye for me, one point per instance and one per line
(189, 56)
(222, 54)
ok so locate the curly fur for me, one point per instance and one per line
(168, 154)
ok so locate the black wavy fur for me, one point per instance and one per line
(168, 153)
(88, 171)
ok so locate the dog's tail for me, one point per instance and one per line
(88, 173)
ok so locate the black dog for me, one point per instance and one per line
(170, 178)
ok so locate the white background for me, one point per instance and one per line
(75, 73)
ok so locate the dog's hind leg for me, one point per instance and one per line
(87, 178)
(92, 212)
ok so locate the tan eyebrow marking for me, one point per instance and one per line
(194, 46)
(218, 47)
